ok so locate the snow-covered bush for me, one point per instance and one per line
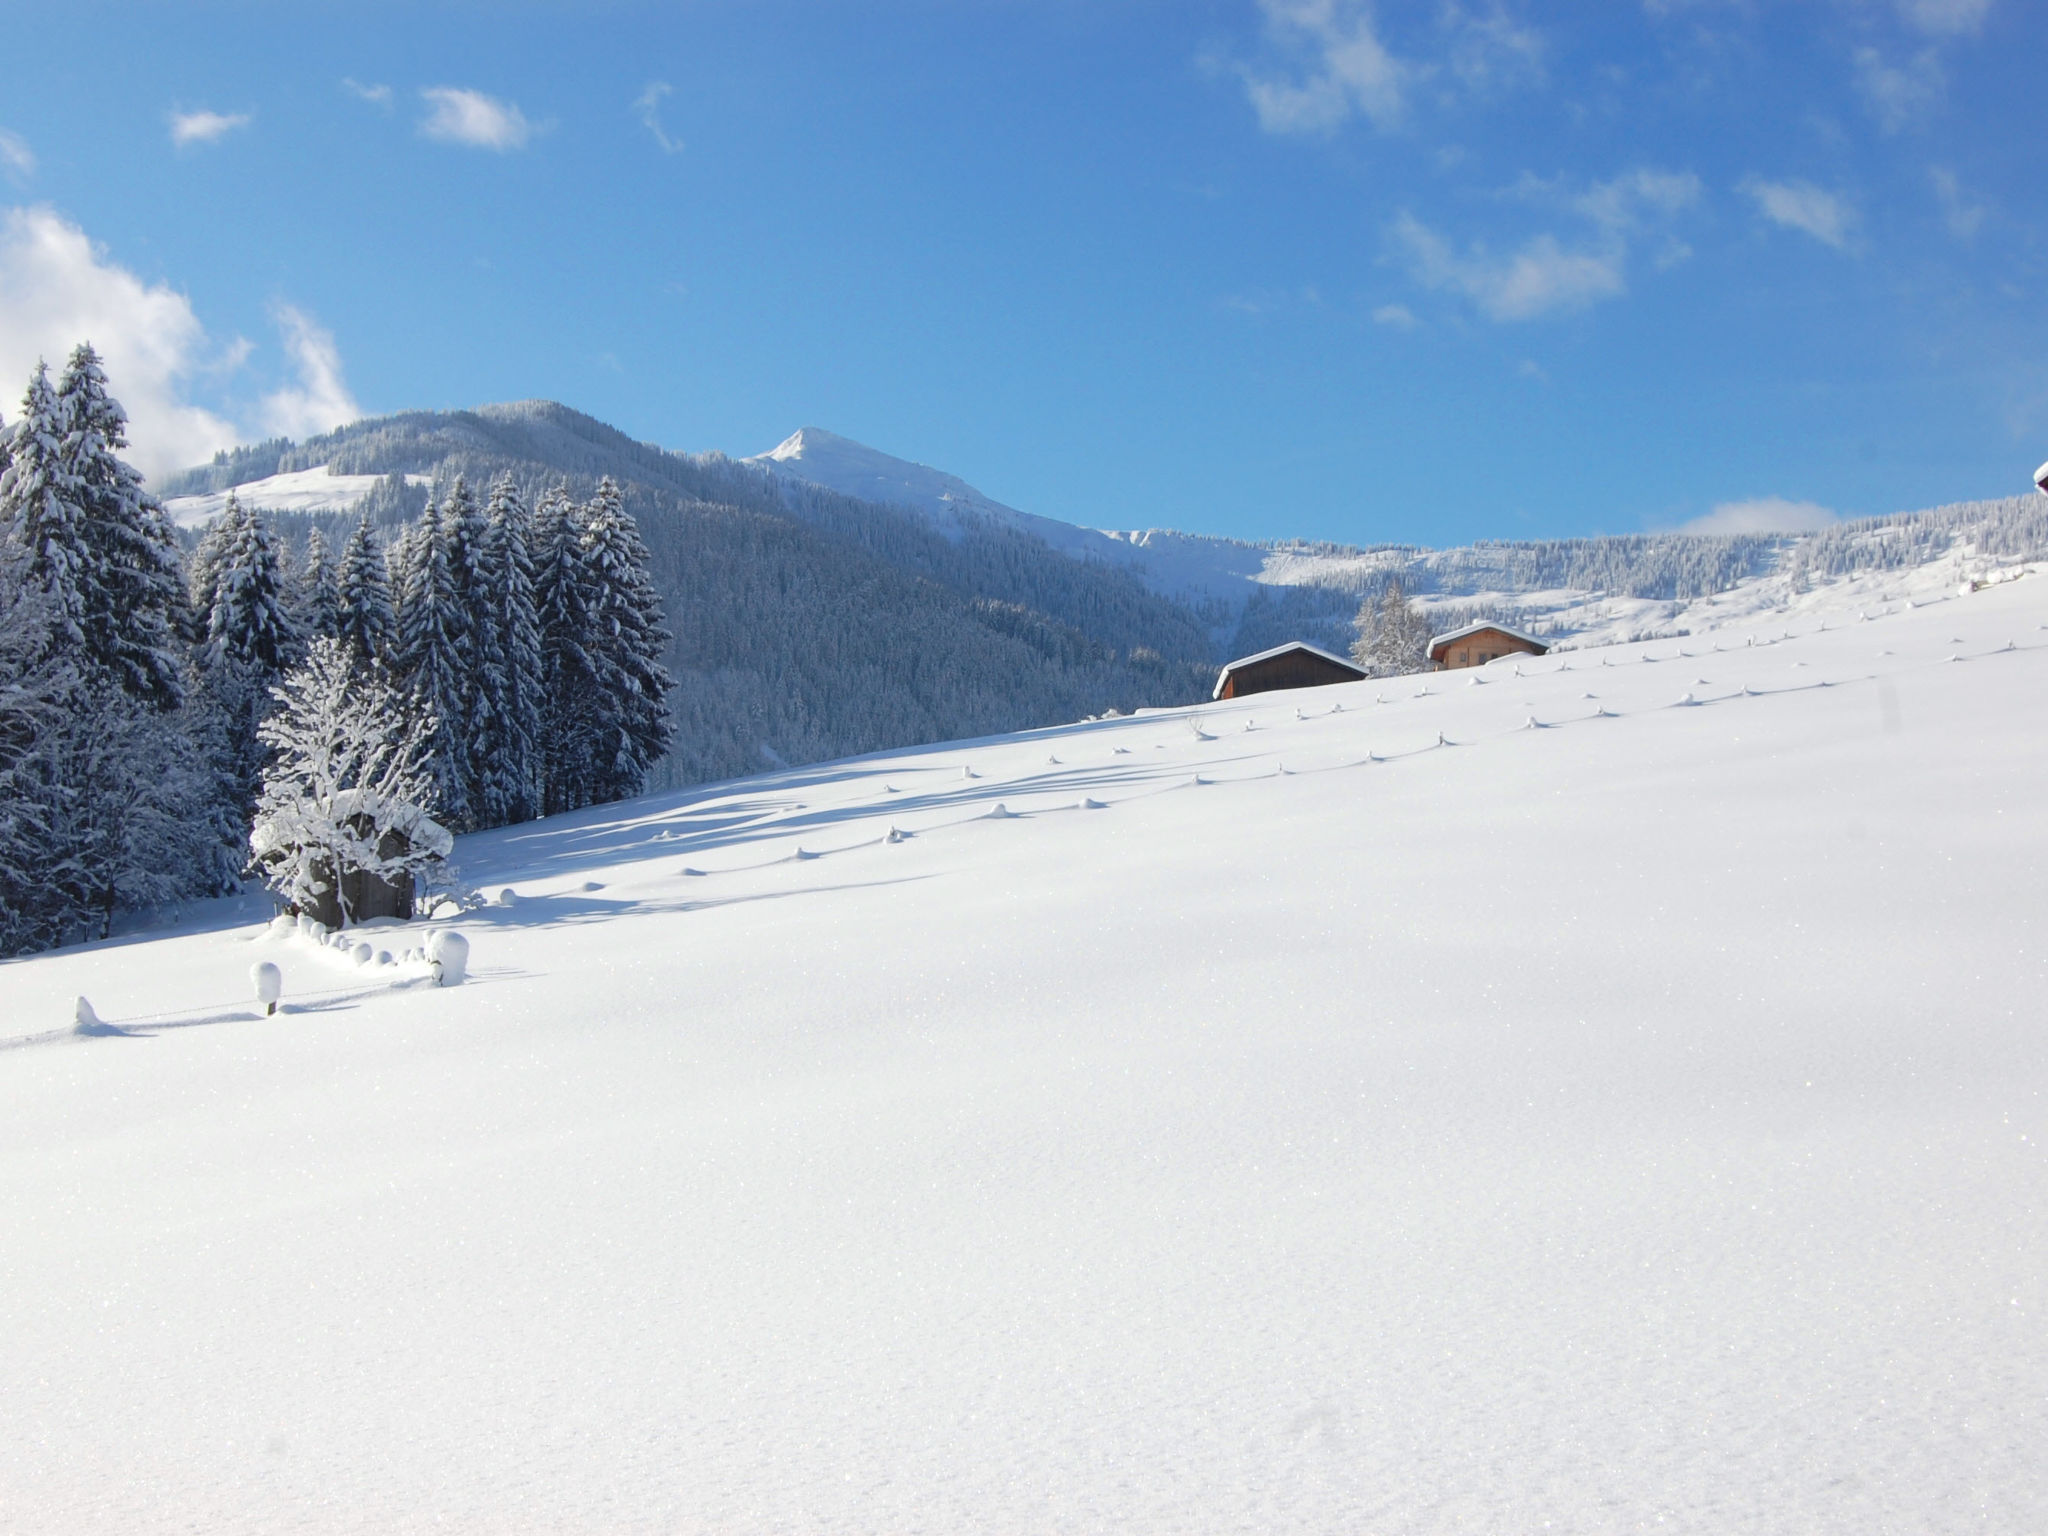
(345, 802)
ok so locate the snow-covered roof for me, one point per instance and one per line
(1281, 650)
(1473, 629)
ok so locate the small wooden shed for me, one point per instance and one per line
(1296, 664)
(1477, 644)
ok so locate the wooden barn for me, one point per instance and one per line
(1293, 665)
(1477, 644)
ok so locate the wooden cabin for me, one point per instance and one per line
(1293, 665)
(1477, 644)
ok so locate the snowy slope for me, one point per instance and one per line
(299, 490)
(1626, 1114)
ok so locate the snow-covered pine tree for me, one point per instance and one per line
(563, 598)
(133, 592)
(40, 515)
(351, 784)
(1393, 636)
(319, 590)
(249, 620)
(37, 680)
(506, 746)
(632, 729)
(363, 615)
(432, 659)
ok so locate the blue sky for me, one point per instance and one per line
(1427, 272)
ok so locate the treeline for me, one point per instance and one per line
(139, 691)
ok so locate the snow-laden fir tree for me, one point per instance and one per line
(562, 587)
(319, 590)
(506, 747)
(250, 640)
(350, 788)
(632, 730)
(363, 612)
(249, 617)
(41, 517)
(132, 592)
(432, 657)
(1393, 635)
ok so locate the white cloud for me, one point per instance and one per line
(1900, 96)
(320, 402)
(1347, 69)
(376, 95)
(648, 105)
(1947, 18)
(1764, 514)
(1399, 316)
(204, 127)
(58, 289)
(1546, 273)
(1800, 205)
(16, 157)
(470, 117)
(1963, 217)
(1540, 277)
(1491, 50)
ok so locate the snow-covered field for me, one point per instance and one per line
(298, 490)
(1626, 1115)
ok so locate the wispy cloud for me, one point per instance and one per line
(462, 116)
(1963, 217)
(203, 127)
(1546, 273)
(320, 401)
(1490, 50)
(1397, 316)
(1827, 216)
(648, 105)
(1945, 18)
(1340, 68)
(1764, 514)
(1900, 95)
(376, 95)
(16, 158)
(58, 288)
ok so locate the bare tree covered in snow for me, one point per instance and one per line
(350, 787)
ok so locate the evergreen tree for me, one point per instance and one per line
(432, 659)
(631, 730)
(506, 746)
(1393, 636)
(249, 618)
(319, 591)
(133, 595)
(41, 517)
(563, 598)
(364, 616)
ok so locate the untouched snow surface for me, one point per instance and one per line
(298, 490)
(1627, 1121)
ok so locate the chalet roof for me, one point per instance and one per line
(1281, 650)
(1473, 629)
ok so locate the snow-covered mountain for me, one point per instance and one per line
(317, 489)
(1603, 1093)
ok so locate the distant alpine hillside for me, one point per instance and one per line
(829, 599)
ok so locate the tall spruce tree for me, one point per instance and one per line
(563, 598)
(319, 591)
(631, 730)
(432, 658)
(250, 640)
(364, 619)
(41, 517)
(506, 746)
(133, 594)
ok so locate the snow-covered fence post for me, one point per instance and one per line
(448, 953)
(268, 981)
